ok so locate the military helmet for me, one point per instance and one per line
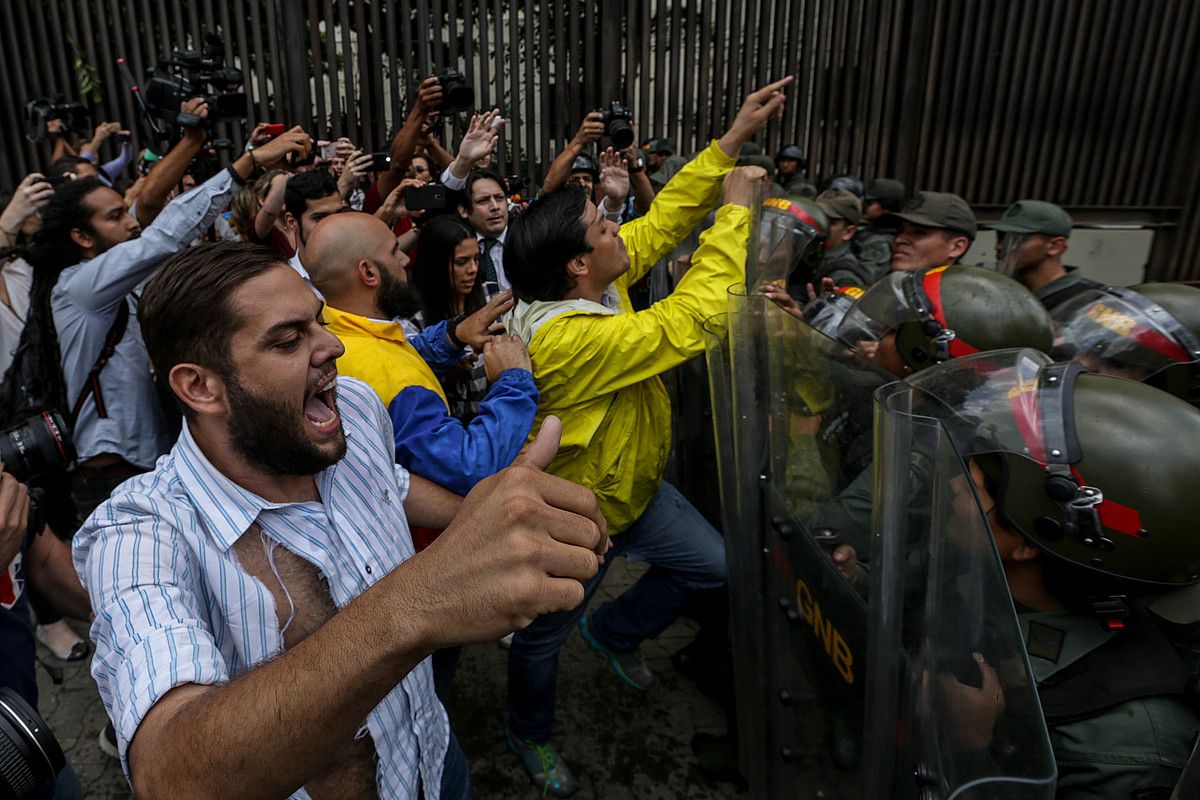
(792, 233)
(1070, 467)
(794, 152)
(946, 313)
(850, 183)
(585, 163)
(1149, 332)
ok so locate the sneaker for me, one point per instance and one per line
(628, 666)
(546, 769)
(108, 741)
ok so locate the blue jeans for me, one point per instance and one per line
(685, 554)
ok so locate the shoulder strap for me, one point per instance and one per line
(92, 385)
(1139, 662)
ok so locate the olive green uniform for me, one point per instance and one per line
(844, 268)
(1060, 290)
(875, 250)
(798, 186)
(1127, 751)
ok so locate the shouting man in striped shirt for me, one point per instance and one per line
(261, 621)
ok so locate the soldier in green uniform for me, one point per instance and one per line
(790, 164)
(1031, 238)
(873, 240)
(936, 230)
(1091, 488)
(839, 262)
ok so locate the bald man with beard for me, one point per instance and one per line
(356, 263)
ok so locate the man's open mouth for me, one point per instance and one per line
(321, 407)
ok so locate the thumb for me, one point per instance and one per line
(542, 450)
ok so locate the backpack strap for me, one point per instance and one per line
(91, 386)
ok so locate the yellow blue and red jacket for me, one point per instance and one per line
(404, 373)
(597, 365)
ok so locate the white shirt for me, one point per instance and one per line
(174, 606)
(294, 263)
(18, 279)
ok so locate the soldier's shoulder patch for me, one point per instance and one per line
(1045, 641)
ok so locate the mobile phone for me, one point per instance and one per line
(329, 151)
(425, 198)
(274, 128)
(124, 138)
(56, 180)
(380, 162)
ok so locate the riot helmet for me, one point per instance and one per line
(791, 238)
(1070, 467)
(793, 152)
(585, 163)
(948, 312)
(851, 183)
(1149, 332)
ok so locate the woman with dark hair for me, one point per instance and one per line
(446, 275)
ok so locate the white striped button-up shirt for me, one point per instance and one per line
(173, 606)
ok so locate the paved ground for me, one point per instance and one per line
(622, 744)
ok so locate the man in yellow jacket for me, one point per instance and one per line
(596, 363)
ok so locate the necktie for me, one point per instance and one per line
(486, 265)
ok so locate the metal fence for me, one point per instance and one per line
(1087, 103)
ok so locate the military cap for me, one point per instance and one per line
(1034, 216)
(940, 210)
(887, 192)
(659, 146)
(793, 152)
(840, 204)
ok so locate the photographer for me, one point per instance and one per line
(170, 170)
(562, 169)
(32, 560)
(111, 170)
(88, 258)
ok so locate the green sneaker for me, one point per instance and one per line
(546, 770)
(628, 666)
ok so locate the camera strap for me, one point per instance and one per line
(92, 385)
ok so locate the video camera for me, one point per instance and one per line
(616, 124)
(41, 110)
(189, 74)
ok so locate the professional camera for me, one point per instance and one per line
(41, 110)
(516, 185)
(189, 74)
(616, 124)
(457, 94)
(30, 756)
(36, 445)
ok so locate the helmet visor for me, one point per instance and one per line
(1119, 332)
(880, 310)
(789, 242)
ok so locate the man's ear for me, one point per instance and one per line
(959, 245)
(848, 234)
(198, 388)
(83, 239)
(463, 211)
(577, 267)
(289, 221)
(1056, 246)
(368, 273)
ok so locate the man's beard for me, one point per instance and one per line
(396, 299)
(103, 245)
(264, 430)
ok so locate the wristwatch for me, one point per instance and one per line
(638, 165)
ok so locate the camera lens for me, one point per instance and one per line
(30, 756)
(620, 133)
(35, 446)
(456, 94)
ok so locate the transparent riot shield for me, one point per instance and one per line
(793, 419)
(951, 706)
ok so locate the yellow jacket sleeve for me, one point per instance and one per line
(676, 210)
(609, 352)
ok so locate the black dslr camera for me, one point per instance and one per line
(189, 74)
(41, 110)
(457, 94)
(33, 447)
(616, 124)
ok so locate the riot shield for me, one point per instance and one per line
(952, 707)
(792, 417)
